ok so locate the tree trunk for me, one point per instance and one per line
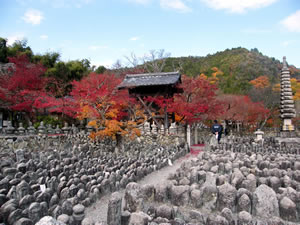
(119, 142)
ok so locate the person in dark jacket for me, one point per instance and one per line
(217, 129)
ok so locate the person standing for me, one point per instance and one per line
(217, 129)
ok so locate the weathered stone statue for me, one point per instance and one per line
(154, 128)
(50, 129)
(147, 129)
(66, 128)
(31, 129)
(21, 129)
(57, 129)
(9, 129)
(173, 129)
(42, 128)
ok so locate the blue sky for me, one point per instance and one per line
(104, 31)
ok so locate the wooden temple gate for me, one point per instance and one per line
(154, 85)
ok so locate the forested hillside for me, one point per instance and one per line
(232, 69)
(235, 67)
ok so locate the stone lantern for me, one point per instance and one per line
(259, 135)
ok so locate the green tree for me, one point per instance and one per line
(78, 69)
(3, 50)
(48, 60)
(100, 70)
(20, 47)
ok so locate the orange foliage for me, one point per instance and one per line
(110, 111)
(260, 82)
(214, 78)
(217, 72)
(296, 88)
(178, 118)
(203, 76)
(276, 88)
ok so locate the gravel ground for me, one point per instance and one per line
(98, 211)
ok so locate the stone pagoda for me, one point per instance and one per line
(287, 106)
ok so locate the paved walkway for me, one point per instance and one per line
(98, 211)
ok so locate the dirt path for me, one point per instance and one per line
(98, 211)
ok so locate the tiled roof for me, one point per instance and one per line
(150, 79)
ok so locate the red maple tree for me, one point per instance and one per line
(106, 108)
(197, 102)
(19, 91)
(243, 109)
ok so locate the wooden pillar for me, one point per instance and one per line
(188, 135)
(166, 119)
(196, 134)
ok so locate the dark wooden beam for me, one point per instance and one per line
(148, 110)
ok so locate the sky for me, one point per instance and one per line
(104, 31)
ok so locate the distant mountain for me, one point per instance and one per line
(239, 66)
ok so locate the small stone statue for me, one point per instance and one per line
(50, 129)
(31, 129)
(74, 129)
(42, 128)
(154, 128)
(89, 129)
(57, 129)
(172, 128)
(21, 129)
(147, 128)
(66, 128)
(9, 129)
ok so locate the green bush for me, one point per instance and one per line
(49, 120)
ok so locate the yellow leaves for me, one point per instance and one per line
(203, 76)
(93, 123)
(214, 78)
(114, 127)
(217, 72)
(260, 82)
(112, 113)
(84, 112)
(296, 88)
(276, 88)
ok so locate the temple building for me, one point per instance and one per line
(152, 84)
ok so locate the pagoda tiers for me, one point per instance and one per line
(287, 106)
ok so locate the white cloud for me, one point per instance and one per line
(292, 22)
(96, 47)
(13, 38)
(44, 36)
(134, 38)
(238, 6)
(177, 5)
(33, 16)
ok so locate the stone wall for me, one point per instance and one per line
(236, 185)
(61, 176)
